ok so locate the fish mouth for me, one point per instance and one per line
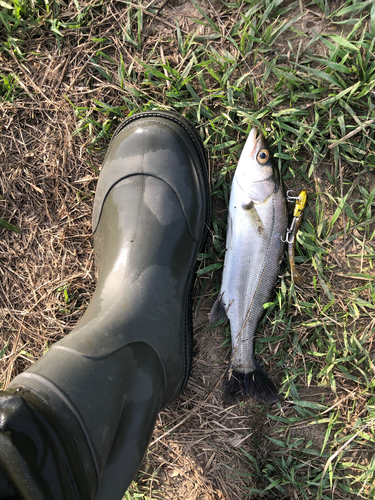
(256, 142)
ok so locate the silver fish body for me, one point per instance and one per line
(257, 221)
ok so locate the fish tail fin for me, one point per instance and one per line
(218, 311)
(256, 384)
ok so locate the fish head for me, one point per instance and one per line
(255, 172)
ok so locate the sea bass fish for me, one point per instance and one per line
(257, 223)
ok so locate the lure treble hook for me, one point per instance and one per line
(291, 198)
(301, 201)
(289, 237)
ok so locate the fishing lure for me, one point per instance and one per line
(299, 207)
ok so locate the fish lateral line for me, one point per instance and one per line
(247, 317)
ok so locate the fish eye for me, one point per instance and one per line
(263, 156)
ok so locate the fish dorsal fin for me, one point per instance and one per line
(218, 311)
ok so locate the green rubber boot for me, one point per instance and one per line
(78, 422)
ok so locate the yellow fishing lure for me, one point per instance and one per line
(299, 207)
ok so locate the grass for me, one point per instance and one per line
(303, 73)
(10, 227)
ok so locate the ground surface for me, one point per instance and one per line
(69, 73)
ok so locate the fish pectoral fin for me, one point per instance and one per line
(254, 218)
(248, 206)
(218, 311)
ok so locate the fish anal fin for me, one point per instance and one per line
(256, 384)
(218, 311)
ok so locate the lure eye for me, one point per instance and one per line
(263, 156)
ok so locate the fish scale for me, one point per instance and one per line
(257, 222)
